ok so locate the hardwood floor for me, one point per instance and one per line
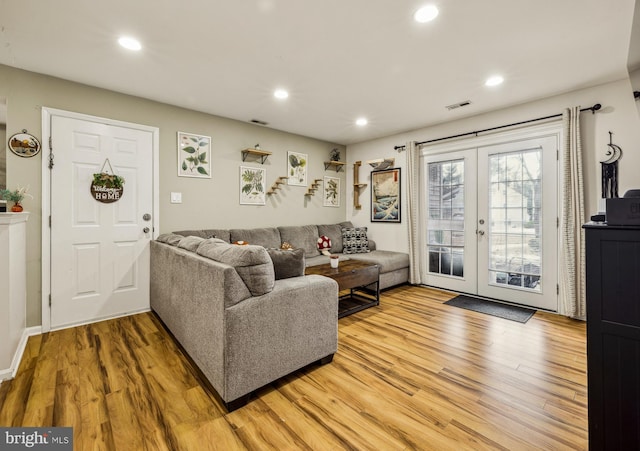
(410, 374)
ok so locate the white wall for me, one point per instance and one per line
(618, 115)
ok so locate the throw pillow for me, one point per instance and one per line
(334, 232)
(354, 240)
(324, 245)
(287, 263)
(190, 243)
(170, 238)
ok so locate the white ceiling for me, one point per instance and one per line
(339, 59)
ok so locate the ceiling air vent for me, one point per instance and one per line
(258, 121)
(458, 105)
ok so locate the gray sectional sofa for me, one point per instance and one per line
(247, 315)
(394, 266)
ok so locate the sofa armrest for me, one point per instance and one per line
(272, 335)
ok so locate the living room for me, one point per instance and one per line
(213, 202)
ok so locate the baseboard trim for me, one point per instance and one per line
(10, 372)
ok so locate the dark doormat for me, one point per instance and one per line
(510, 312)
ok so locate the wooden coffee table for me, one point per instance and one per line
(357, 277)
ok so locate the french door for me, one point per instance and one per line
(491, 221)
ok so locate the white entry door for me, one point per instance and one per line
(99, 251)
(491, 221)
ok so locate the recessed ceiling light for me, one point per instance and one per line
(362, 121)
(280, 94)
(426, 14)
(129, 43)
(494, 80)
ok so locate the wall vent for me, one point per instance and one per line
(458, 105)
(258, 121)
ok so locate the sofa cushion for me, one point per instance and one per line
(265, 237)
(354, 240)
(287, 263)
(301, 237)
(387, 260)
(334, 232)
(170, 238)
(252, 263)
(190, 243)
(208, 233)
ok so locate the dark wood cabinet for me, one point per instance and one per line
(613, 336)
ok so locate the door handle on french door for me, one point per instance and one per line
(480, 232)
(146, 230)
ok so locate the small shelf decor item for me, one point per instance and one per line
(297, 168)
(16, 196)
(253, 186)
(107, 187)
(331, 190)
(194, 155)
(24, 144)
(385, 195)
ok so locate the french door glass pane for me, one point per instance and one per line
(445, 224)
(515, 231)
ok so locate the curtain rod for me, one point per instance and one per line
(593, 110)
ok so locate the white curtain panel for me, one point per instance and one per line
(413, 214)
(572, 252)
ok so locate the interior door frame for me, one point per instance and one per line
(550, 128)
(47, 114)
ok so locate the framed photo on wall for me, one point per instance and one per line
(297, 168)
(194, 155)
(253, 186)
(385, 195)
(331, 191)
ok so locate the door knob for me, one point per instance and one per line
(480, 232)
(146, 230)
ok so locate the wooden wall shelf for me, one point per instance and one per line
(261, 155)
(337, 165)
(311, 190)
(276, 185)
(357, 185)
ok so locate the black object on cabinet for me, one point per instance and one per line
(613, 336)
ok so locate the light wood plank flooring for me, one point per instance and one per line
(410, 374)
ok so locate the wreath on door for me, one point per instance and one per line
(107, 187)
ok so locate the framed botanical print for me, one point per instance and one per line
(194, 155)
(253, 186)
(297, 168)
(331, 191)
(385, 195)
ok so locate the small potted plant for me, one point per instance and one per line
(16, 196)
